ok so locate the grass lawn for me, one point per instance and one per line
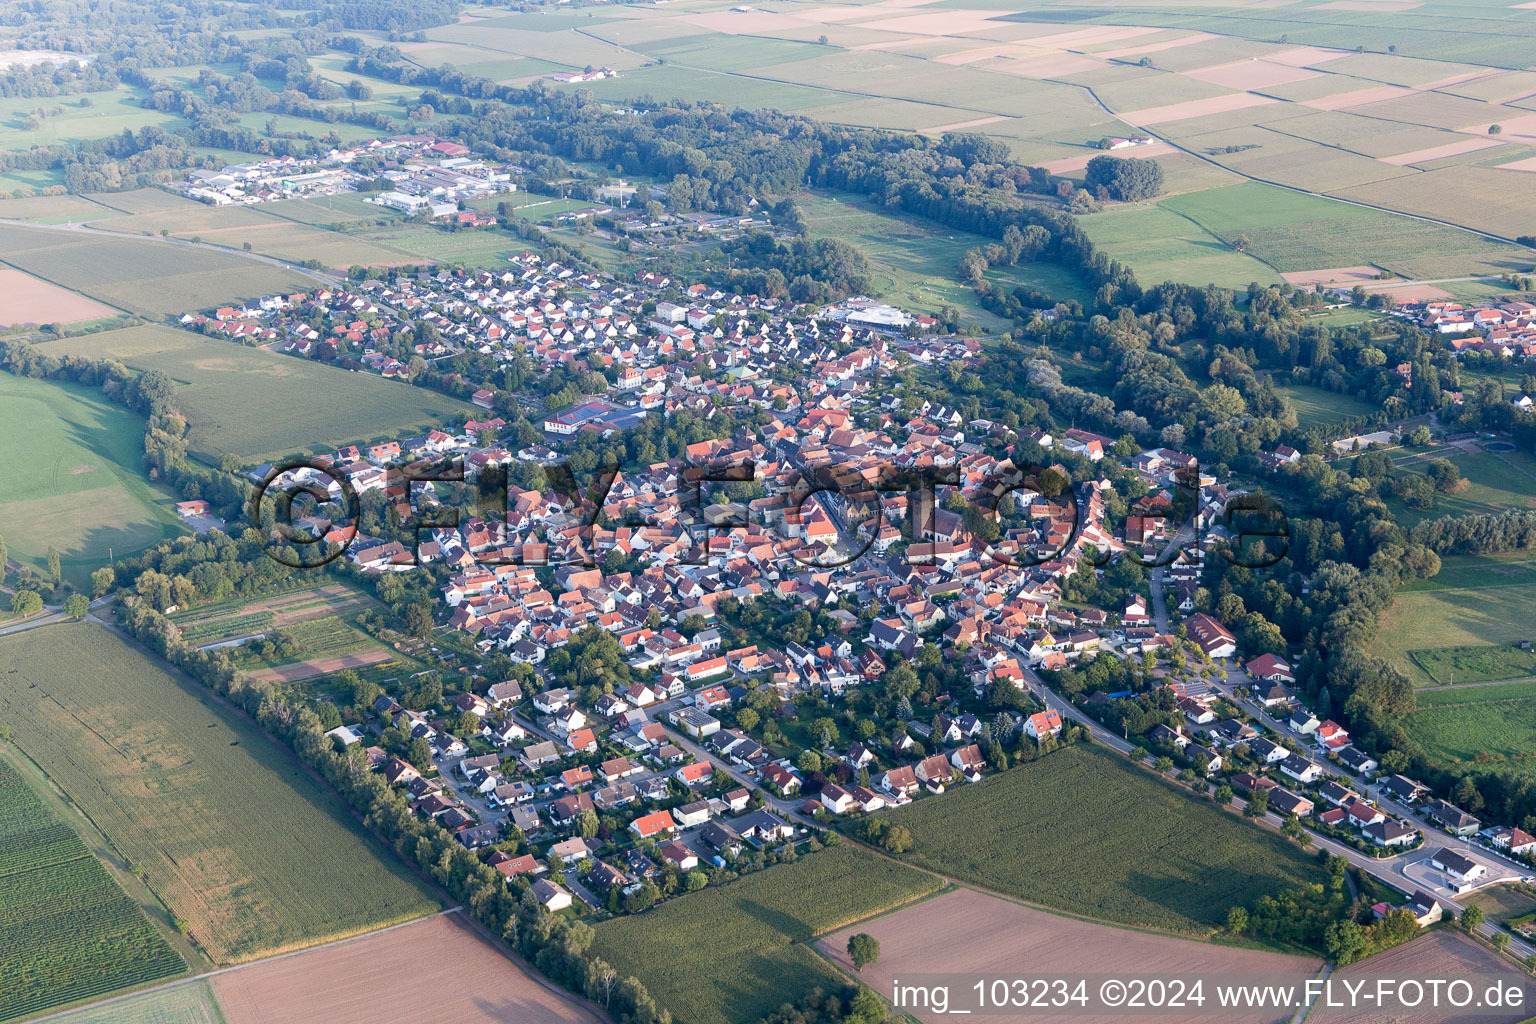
(259, 404)
(1502, 902)
(1319, 407)
(1162, 245)
(78, 486)
(1082, 831)
(1475, 603)
(231, 833)
(734, 953)
(68, 931)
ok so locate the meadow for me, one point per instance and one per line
(1495, 481)
(913, 263)
(67, 929)
(1082, 831)
(1475, 602)
(150, 278)
(258, 404)
(1319, 407)
(78, 486)
(1448, 666)
(732, 954)
(228, 830)
(1478, 735)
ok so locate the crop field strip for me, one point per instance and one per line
(232, 834)
(67, 930)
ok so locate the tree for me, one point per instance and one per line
(26, 602)
(76, 605)
(418, 619)
(587, 823)
(1125, 180)
(419, 753)
(863, 950)
(1237, 920)
(3, 557)
(55, 571)
(1495, 129)
(809, 761)
(1472, 918)
(747, 719)
(1419, 436)
(1345, 942)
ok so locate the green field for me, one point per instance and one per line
(1470, 733)
(67, 929)
(1293, 232)
(1319, 407)
(914, 263)
(192, 1003)
(1161, 245)
(259, 404)
(1475, 602)
(77, 484)
(1085, 832)
(1448, 666)
(229, 831)
(151, 278)
(1475, 694)
(1495, 481)
(732, 954)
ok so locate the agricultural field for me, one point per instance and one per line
(1038, 832)
(320, 646)
(1495, 481)
(437, 969)
(1477, 602)
(229, 831)
(29, 300)
(737, 951)
(1293, 232)
(1319, 407)
(191, 1003)
(223, 620)
(67, 930)
(1161, 245)
(966, 932)
(225, 390)
(79, 487)
(150, 278)
(1441, 953)
(1474, 693)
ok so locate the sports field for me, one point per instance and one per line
(1476, 604)
(1082, 831)
(228, 830)
(736, 952)
(258, 404)
(67, 929)
(77, 484)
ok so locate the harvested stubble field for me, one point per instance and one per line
(25, 299)
(226, 391)
(144, 276)
(232, 834)
(966, 932)
(1037, 832)
(439, 969)
(1443, 953)
(67, 930)
(736, 952)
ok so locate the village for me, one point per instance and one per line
(594, 792)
